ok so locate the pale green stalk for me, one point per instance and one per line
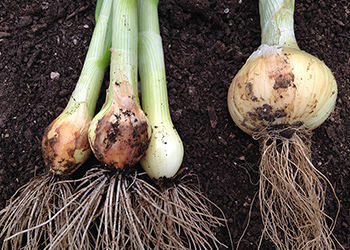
(98, 9)
(97, 59)
(277, 23)
(165, 152)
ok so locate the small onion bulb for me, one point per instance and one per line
(119, 134)
(65, 142)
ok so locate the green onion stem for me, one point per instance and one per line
(151, 63)
(98, 9)
(124, 50)
(277, 23)
(124, 43)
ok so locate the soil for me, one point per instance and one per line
(205, 42)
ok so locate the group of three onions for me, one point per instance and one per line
(120, 133)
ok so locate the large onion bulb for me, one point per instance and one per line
(281, 85)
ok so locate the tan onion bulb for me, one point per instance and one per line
(65, 142)
(281, 85)
(119, 134)
(278, 97)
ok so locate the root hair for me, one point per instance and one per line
(178, 216)
(109, 210)
(104, 217)
(35, 213)
(292, 193)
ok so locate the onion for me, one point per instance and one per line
(38, 211)
(119, 134)
(175, 207)
(279, 96)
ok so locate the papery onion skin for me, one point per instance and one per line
(281, 85)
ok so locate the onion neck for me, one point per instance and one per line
(151, 64)
(277, 23)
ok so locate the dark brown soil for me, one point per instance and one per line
(206, 42)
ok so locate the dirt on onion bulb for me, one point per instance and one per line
(281, 86)
(120, 137)
(279, 96)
